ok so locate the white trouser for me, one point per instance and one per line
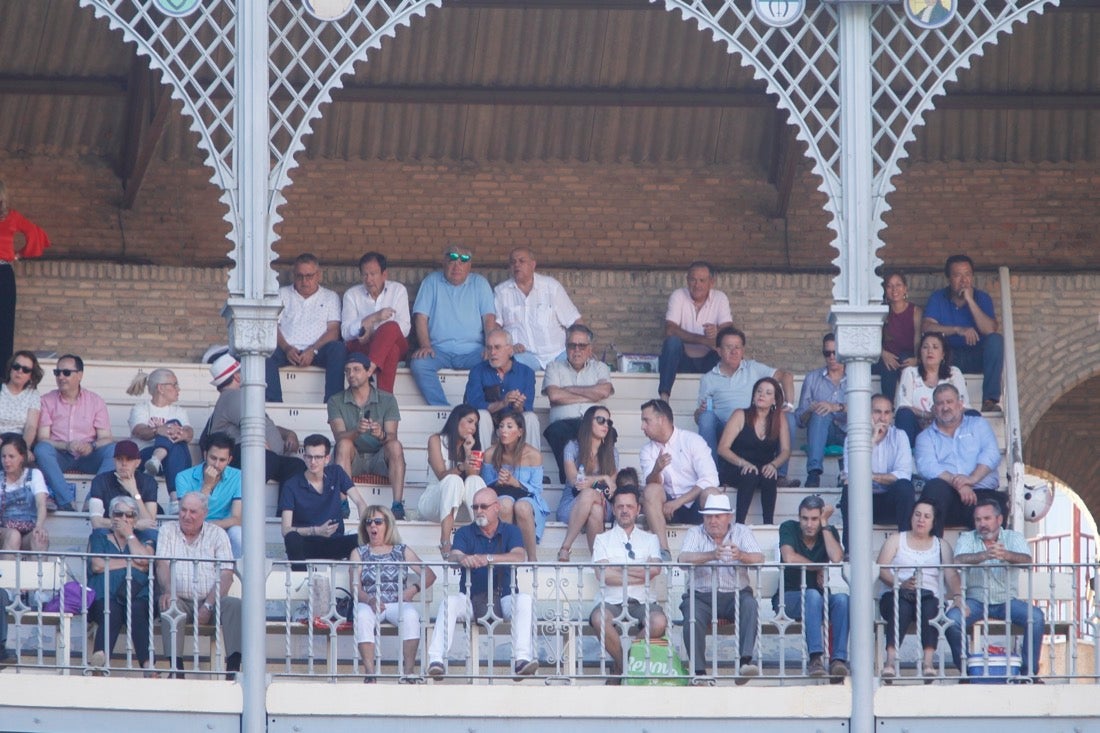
(405, 616)
(518, 608)
(440, 499)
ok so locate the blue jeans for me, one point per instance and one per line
(674, 360)
(177, 460)
(814, 617)
(888, 378)
(710, 428)
(987, 358)
(331, 356)
(425, 372)
(821, 431)
(54, 463)
(1019, 613)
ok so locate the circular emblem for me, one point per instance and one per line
(779, 13)
(931, 14)
(328, 9)
(177, 8)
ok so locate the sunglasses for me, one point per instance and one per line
(629, 550)
(482, 507)
(376, 521)
(64, 372)
(601, 420)
(456, 257)
(576, 346)
(128, 515)
(21, 368)
(827, 354)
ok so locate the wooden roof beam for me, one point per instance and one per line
(150, 138)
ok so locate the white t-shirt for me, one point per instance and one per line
(14, 408)
(142, 412)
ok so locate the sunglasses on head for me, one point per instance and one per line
(601, 420)
(456, 257)
(629, 550)
(482, 507)
(21, 368)
(128, 515)
(376, 521)
(64, 372)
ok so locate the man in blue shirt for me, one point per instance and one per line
(958, 457)
(454, 309)
(823, 410)
(311, 507)
(487, 543)
(966, 317)
(501, 383)
(221, 483)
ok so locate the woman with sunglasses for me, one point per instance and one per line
(20, 404)
(384, 590)
(590, 465)
(454, 460)
(34, 244)
(754, 442)
(915, 387)
(118, 572)
(513, 468)
(22, 500)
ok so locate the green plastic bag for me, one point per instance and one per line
(655, 663)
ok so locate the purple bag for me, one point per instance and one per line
(74, 597)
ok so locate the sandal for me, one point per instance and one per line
(563, 554)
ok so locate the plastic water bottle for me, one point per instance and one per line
(580, 477)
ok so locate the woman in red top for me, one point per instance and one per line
(34, 244)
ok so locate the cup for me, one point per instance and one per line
(474, 461)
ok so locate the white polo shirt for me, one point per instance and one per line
(304, 320)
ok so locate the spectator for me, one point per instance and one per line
(20, 403)
(376, 319)
(311, 507)
(194, 573)
(573, 386)
(720, 588)
(589, 475)
(535, 310)
(513, 468)
(125, 480)
(34, 244)
(454, 472)
(823, 410)
(74, 432)
(501, 384)
(23, 502)
(753, 444)
(958, 457)
(383, 592)
(220, 483)
(364, 427)
(452, 313)
(281, 444)
(899, 333)
(966, 316)
(679, 473)
(916, 384)
(161, 428)
(309, 329)
(693, 319)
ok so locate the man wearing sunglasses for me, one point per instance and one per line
(74, 432)
(311, 507)
(535, 310)
(573, 386)
(453, 311)
(823, 410)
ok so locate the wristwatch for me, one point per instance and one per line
(489, 559)
(208, 605)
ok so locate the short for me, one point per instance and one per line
(370, 463)
(23, 527)
(635, 610)
(687, 515)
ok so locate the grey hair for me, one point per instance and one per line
(202, 498)
(507, 336)
(127, 501)
(158, 377)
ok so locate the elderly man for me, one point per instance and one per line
(823, 410)
(309, 329)
(280, 461)
(573, 386)
(992, 582)
(486, 546)
(220, 483)
(375, 319)
(161, 429)
(364, 427)
(693, 319)
(452, 313)
(810, 542)
(74, 432)
(626, 594)
(958, 457)
(125, 480)
(535, 310)
(501, 383)
(678, 469)
(311, 507)
(720, 589)
(965, 315)
(892, 492)
(198, 590)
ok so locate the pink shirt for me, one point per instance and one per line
(681, 311)
(76, 421)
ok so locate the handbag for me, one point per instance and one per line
(73, 598)
(514, 492)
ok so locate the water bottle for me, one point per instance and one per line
(580, 477)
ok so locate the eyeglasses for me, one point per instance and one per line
(576, 346)
(128, 515)
(22, 368)
(309, 457)
(456, 257)
(827, 354)
(65, 372)
(601, 420)
(482, 507)
(376, 521)
(629, 550)
(305, 275)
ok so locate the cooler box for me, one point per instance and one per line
(638, 363)
(996, 669)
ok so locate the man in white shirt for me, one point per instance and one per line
(693, 319)
(535, 310)
(678, 471)
(375, 319)
(626, 593)
(309, 329)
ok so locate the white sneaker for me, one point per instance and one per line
(152, 467)
(174, 507)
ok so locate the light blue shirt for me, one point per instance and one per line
(455, 312)
(992, 581)
(890, 455)
(222, 497)
(735, 391)
(973, 443)
(817, 387)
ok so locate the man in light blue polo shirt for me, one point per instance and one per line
(221, 483)
(454, 309)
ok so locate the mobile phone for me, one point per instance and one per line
(366, 414)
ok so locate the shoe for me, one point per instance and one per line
(666, 556)
(525, 668)
(398, 509)
(813, 479)
(174, 507)
(748, 671)
(816, 667)
(152, 467)
(888, 672)
(436, 670)
(369, 680)
(838, 670)
(6, 655)
(991, 406)
(787, 483)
